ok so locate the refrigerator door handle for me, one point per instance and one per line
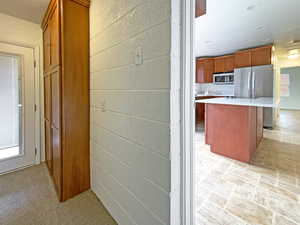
(253, 85)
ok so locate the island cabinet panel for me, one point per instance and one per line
(67, 104)
(232, 130)
(204, 70)
(242, 59)
(260, 124)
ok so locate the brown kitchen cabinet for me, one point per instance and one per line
(200, 7)
(200, 109)
(204, 70)
(224, 64)
(254, 57)
(261, 56)
(242, 59)
(66, 83)
(219, 64)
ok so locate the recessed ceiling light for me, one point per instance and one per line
(251, 7)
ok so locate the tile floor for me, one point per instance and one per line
(289, 120)
(27, 197)
(266, 192)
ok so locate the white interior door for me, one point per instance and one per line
(17, 113)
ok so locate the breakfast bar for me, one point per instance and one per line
(234, 126)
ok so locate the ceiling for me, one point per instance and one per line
(231, 25)
(31, 10)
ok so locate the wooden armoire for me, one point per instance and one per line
(66, 96)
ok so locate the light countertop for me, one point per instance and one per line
(212, 94)
(267, 102)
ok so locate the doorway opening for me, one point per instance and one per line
(246, 149)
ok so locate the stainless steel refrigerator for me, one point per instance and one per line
(255, 82)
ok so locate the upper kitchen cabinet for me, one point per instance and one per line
(224, 64)
(254, 57)
(204, 70)
(219, 65)
(261, 56)
(200, 7)
(229, 63)
(242, 59)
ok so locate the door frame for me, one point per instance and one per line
(187, 113)
(37, 92)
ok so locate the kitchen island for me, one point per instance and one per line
(234, 126)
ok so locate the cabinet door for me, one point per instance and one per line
(242, 59)
(209, 70)
(229, 63)
(259, 125)
(55, 98)
(47, 101)
(200, 71)
(200, 7)
(219, 65)
(48, 146)
(57, 172)
(261, 56)
(54, 25)
(46, 45)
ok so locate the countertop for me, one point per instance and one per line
(212, 94)
(267, 102)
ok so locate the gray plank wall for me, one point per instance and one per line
(132, 125)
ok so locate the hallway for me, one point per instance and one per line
(27, 197)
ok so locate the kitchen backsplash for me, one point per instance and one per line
(214, 89)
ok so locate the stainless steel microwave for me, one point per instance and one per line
(224, 78)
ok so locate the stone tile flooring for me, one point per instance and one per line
(265, 192)
(27, 197)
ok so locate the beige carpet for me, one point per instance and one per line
(27, 197)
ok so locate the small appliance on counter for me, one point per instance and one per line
(224, 78)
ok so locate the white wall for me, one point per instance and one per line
(27, 34)
(18, 31)
(134, 109)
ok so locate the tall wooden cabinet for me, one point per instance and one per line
(66, 83)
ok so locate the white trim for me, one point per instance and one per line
(187, 113)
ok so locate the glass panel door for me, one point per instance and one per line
(11, 107)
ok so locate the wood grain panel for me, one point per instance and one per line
(242, 59)
(48, 146)
(200, 8)
(219, 65)
(55, 99)
(261, 56)
(47, 97)
(75, 82)
(46, 46)
(57, 162)
(231, 130)
(260, 124)
(229, 63)
(54, 24)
